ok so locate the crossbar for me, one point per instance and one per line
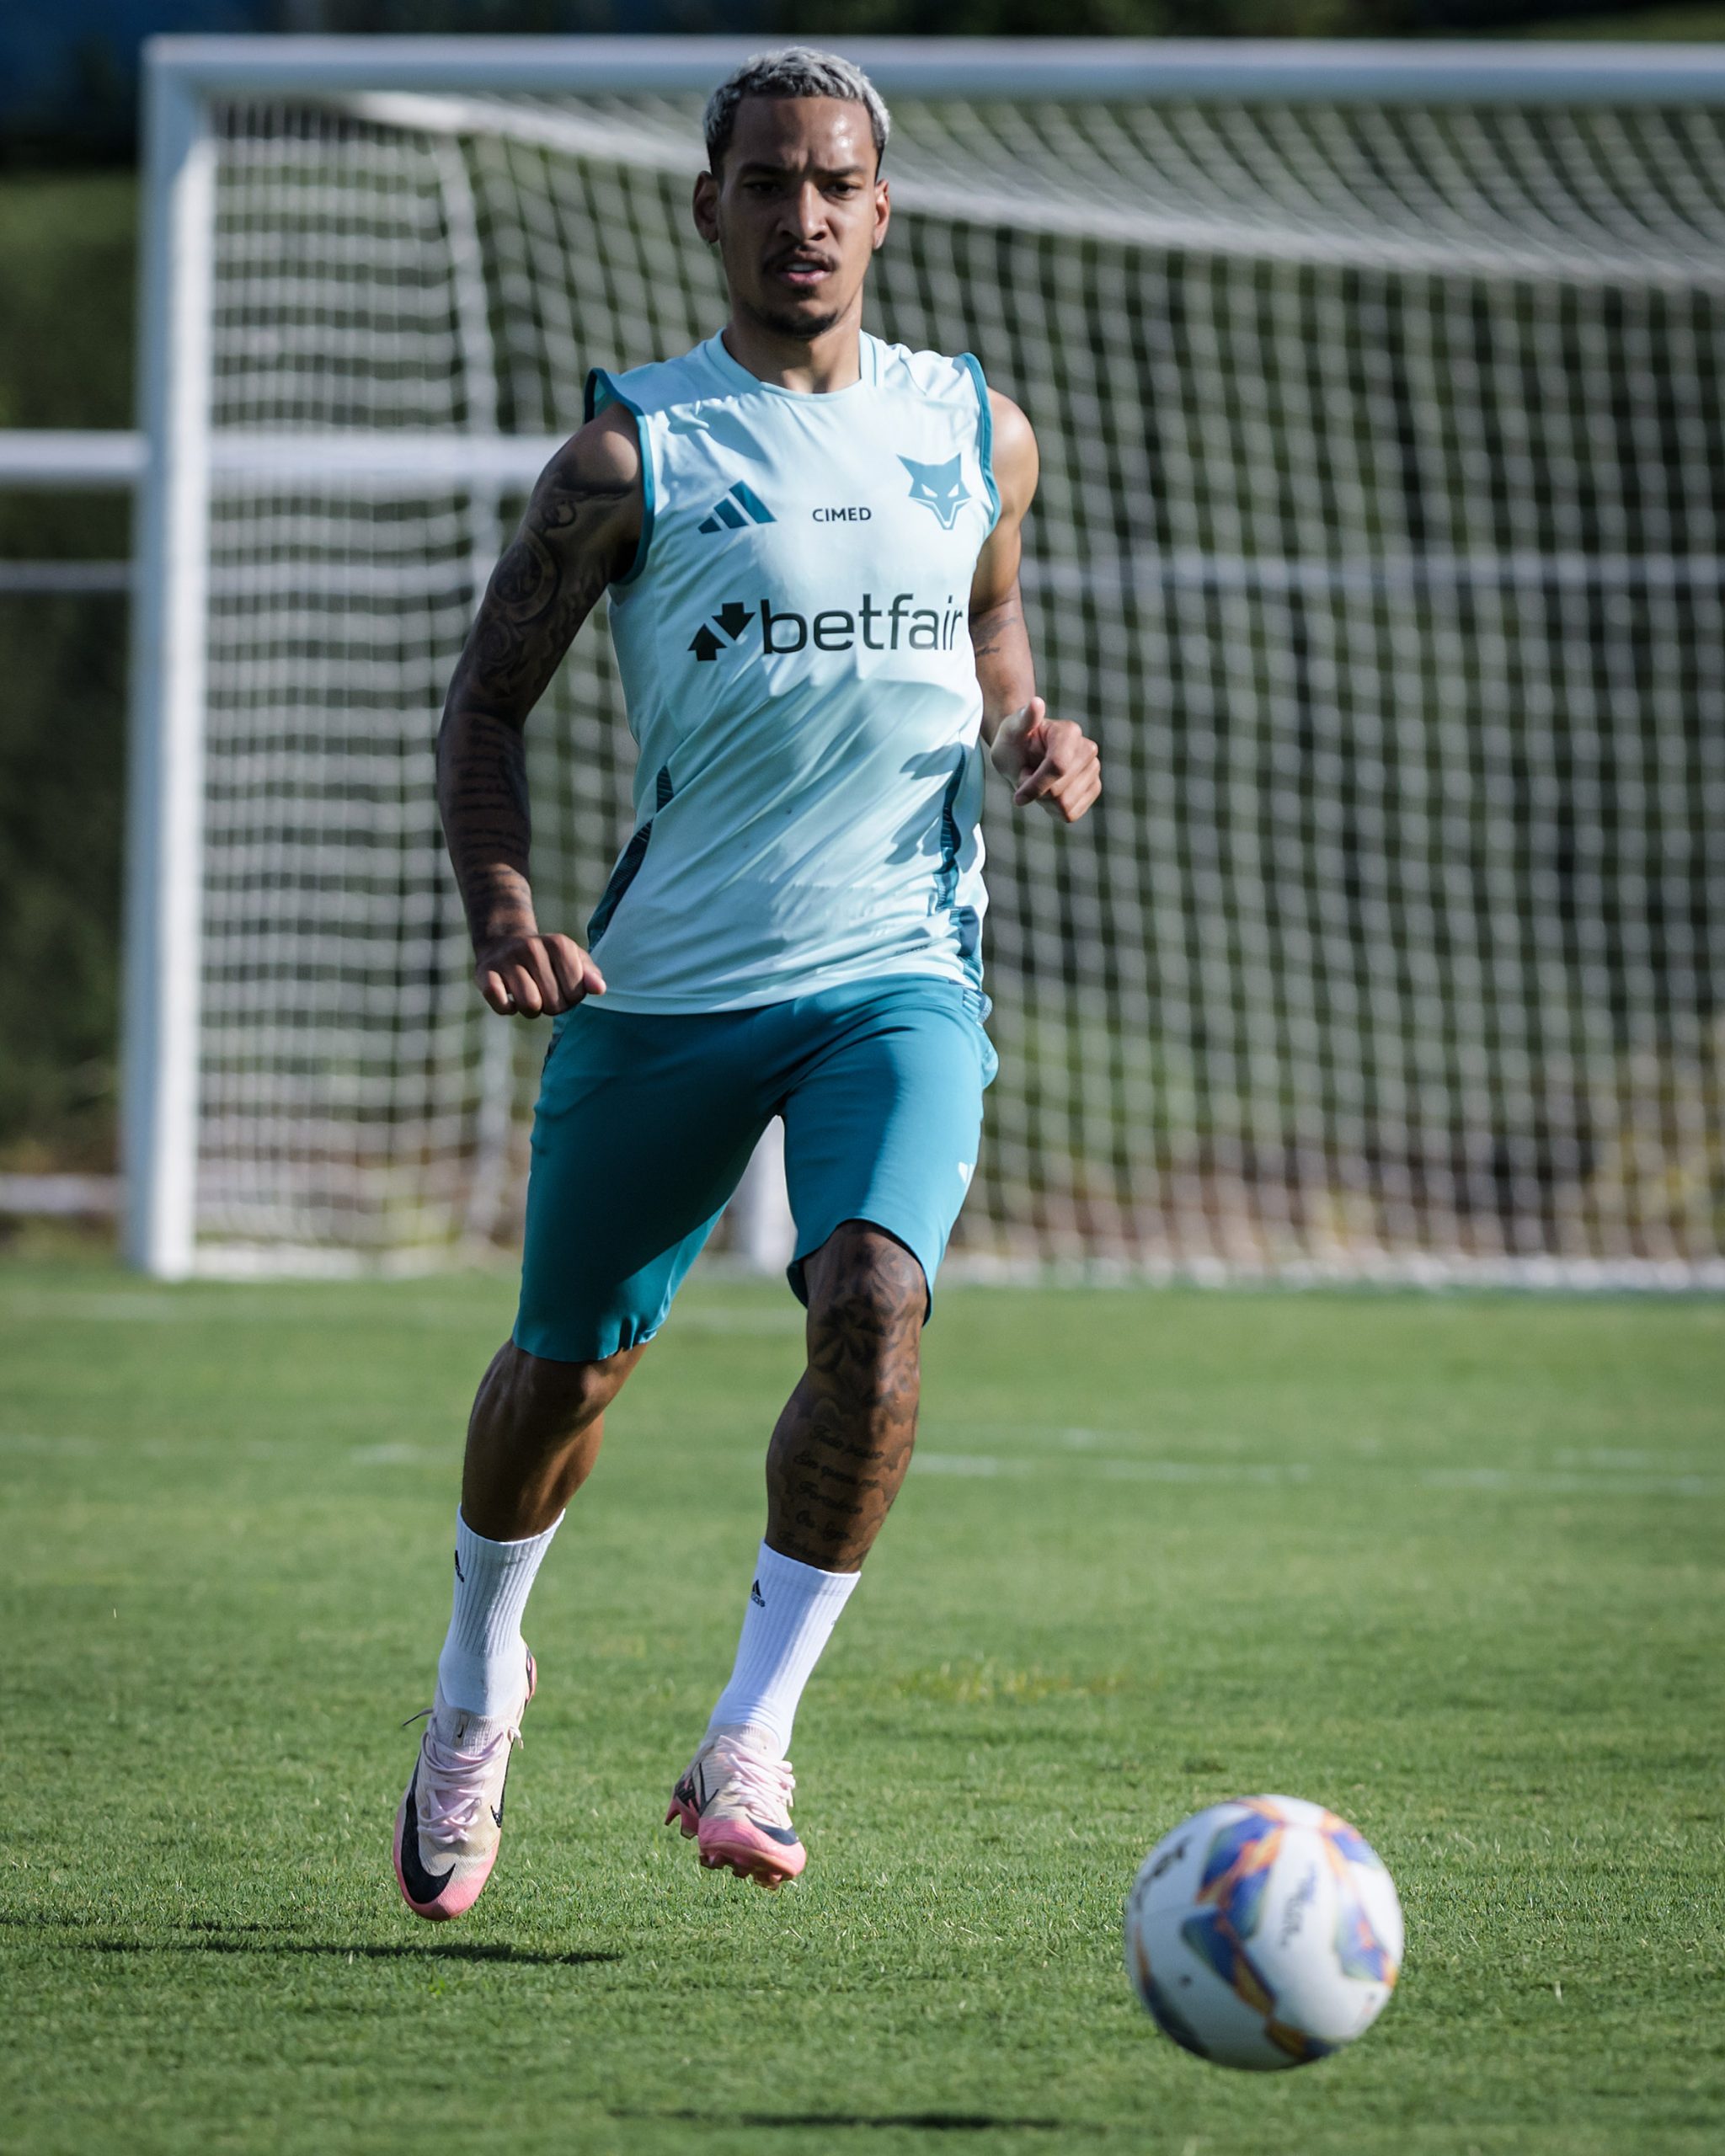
(56, 459)
(1316, 70)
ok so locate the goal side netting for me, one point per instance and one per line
(1378, 543)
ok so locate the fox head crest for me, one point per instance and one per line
(938, 487)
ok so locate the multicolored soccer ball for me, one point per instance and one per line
(1263, 1933)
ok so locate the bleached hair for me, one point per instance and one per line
(798, 72)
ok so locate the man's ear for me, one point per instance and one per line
(707, 207)
(883, 213)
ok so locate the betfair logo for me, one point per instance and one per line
(731, 512)
(733, 618)
(901, 625)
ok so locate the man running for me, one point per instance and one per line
(811, 540)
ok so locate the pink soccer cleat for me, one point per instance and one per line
(734, 1802)
(451, 1820)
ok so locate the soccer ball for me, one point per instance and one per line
(1263, 1933)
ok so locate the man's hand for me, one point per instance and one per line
(1052, 761)
(535, 976)
(1046, 760)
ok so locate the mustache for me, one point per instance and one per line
(809, 257)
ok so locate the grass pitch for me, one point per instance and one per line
(1452, 1565)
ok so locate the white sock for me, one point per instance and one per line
(791, 1611)
(483, 1659)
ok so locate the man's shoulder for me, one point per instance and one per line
(926, 373)
(657, 385)
(699, 376)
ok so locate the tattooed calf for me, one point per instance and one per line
(843, 1444)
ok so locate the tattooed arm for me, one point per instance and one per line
(581, 530)
(1047, 759)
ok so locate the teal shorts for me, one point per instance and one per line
(645, 1123)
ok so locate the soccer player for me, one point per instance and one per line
(811, 540)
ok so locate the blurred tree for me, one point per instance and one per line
(68, 75)
(815, 18)
(1099, 17)
(66, 252)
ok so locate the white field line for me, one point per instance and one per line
(772, 1317)
(148, 1306)
(1570, 1480)
(71, 1445)
(1608, 1481)
(140, 1307)
(1545, 1483)
(194, 1305)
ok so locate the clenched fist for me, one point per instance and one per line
(535, 976)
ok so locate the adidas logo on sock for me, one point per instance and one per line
(757, 1597)
(742, 505)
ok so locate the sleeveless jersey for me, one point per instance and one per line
(793, 640)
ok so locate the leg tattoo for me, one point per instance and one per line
(843, 1443)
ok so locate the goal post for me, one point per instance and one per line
(1378, 389)
(165, 778)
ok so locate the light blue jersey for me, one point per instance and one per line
(794, 645)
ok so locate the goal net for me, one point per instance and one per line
(1377, 543)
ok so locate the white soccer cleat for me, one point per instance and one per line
(449, 1823)
(733, 1801)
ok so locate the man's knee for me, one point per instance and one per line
(542, 1398)
(867, 1298)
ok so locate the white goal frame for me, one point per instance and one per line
(185, 76)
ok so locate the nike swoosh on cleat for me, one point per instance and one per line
(787, 1835)
(422, 1885)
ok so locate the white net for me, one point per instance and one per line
(1378, 543)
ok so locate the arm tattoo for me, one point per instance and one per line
(991, 628)
(1006, 673)
(540, 593)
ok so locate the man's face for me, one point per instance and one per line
(796, 212)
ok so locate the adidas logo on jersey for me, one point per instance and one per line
(731, 512)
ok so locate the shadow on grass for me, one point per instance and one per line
(925, 2121)
(222, 1940)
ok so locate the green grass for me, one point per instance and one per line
(1452, 1565)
